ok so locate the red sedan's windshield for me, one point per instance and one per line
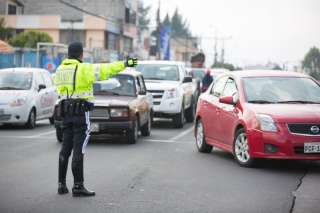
(281, 90)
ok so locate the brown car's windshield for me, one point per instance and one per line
(264, 90)
(120, 85)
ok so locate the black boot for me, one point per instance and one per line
(62, 189)
(79, 190)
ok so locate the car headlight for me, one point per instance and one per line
(18, 102)
(171, 93)
(119, 112)
(267, 123)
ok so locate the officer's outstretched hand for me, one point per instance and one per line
(131, 62)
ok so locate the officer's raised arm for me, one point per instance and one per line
(106, 71)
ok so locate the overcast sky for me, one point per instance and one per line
(262, 30)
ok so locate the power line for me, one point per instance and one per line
(113, 20)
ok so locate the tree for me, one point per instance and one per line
(227, 66)
(4, 31)
(143, 17)
(277, 67)
(30, 39)
(167, 21)
(179, 26)
(311, 63)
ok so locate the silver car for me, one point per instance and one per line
(26, 95)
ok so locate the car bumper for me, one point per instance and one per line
(167, 107)
(284, 145)
(14, 115)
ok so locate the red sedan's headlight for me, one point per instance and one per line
(267, 123)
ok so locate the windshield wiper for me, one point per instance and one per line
(298, 102)
(108, 93)
(154, 78)
(10, 88)
(260, 102)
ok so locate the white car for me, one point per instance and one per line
(172, 88)
(26, 95)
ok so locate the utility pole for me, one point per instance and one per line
(158, 32)
(223, 39)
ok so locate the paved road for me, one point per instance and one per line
(162, 173)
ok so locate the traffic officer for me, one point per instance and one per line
(74, 80)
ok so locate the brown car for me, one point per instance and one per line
(122, 106)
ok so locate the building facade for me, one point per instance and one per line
(109, 26)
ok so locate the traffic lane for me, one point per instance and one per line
(43, 128)
(148, 177)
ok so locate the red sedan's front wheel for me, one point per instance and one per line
(201, 139)
(241, 149)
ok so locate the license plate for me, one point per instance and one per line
(95, 127)
(1, 111)
(312, 148)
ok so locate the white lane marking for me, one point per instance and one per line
(160, 141)
(41, 134)
(166, 141)
(31, 136)
(187, 131)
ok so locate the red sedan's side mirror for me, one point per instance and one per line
(227, 100)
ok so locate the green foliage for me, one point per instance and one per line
(143, 20)
(227, 66)
(4, 31)
(277, 67)
(30, 39)
(179, 26)
(311, 63)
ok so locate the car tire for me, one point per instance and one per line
(146, 128)
(133, 133)
(31, 123)
(190, 112)
(201, 139)
(241, 149)
(178, 119)
(59, 134)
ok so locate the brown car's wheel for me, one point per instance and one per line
(146, 128)
(132, 135)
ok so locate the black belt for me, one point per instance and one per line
(73, 107)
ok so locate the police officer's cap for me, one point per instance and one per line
(75, 49)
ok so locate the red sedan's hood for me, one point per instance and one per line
(284, 113)
(106, 100)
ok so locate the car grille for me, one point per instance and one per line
(157, 96)
(304, 129)
(99, 113)
(5, 117)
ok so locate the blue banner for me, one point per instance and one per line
(165, 32)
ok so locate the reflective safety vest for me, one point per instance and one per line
(84, 75)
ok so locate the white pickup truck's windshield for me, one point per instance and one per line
(11, 80)
(159, 72)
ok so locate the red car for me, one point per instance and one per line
(261, 114)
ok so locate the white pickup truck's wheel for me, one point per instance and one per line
(178, 120)
(190, 112)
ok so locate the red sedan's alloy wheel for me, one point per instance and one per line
(241, 149)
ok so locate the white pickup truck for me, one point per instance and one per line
(173, 90)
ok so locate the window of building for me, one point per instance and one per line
(12, 9)
(111, 41)
(127, 44)
(69, 36)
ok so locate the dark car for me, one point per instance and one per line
(122, 106)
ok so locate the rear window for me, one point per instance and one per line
(159, 72)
